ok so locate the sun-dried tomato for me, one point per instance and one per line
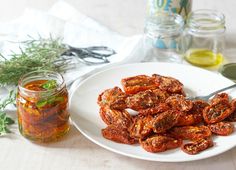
(193, 116)
(160, 94)
(114, 98)
(187, 119)
(135, 84)
(117, 134)
(179, 102)
(219, 97)
(159, 143)
(217, 112)
(191, 132)
(165, 121)
(232, 116)
(168, 84)
(115, 117)
(198, 107)
(141, 100)
(197, 146)
(141, 127)
(161, 107)
(222, 128)
(233, 104)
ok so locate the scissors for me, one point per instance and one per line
(91, 55)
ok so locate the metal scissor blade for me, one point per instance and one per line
(91, 55)
(101, 50)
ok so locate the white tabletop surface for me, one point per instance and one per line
(74, 151)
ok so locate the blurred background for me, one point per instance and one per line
(125, 17)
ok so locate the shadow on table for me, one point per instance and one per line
(72, 139)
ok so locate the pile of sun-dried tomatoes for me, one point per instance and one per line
(165, 117)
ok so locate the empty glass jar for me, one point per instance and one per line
(204, 40)
(163, 36)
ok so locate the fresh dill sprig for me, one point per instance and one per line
(40, 54)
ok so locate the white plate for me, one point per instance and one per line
(85, 111)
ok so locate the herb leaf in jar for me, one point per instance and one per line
(50, 84)
(50, 100)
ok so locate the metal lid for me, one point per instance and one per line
(229, 71)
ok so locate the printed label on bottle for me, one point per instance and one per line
(182, 7)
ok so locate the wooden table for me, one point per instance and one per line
(75, 151)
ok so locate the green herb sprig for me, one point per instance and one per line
(41, 54)
(5, 121)
(50, 84)
(49, 101)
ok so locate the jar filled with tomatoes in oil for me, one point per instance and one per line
(42, 106)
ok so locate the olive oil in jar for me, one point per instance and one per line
(204, 38)
(203, 57)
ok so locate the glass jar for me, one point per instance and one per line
(163, 37)
(204, 40)
(42, 106)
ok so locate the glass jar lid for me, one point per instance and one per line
(164, 24)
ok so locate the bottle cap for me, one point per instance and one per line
(229, 71)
